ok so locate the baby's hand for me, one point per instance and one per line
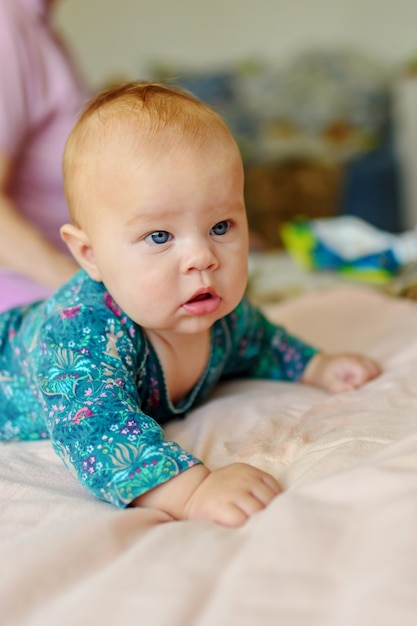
(227, 496)
(340, 372)
(232, 494)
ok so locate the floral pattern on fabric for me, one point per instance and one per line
(77, 369)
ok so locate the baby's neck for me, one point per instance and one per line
(183, 358)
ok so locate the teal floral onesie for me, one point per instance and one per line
(76, 369)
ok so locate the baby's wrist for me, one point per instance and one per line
(172, 496)
(311, 371)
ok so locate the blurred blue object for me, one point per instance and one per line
(349, 245)
(372, 188)
(320, 105)
(216, 88)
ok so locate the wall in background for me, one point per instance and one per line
(121, 38)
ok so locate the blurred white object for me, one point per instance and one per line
(352, 237)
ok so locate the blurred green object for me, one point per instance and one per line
(350, 246)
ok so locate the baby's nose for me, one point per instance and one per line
(199, 256)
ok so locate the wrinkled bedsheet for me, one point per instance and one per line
(337, 548)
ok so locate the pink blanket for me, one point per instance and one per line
(337, 548)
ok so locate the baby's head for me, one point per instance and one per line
(154, 184)
(133, 121)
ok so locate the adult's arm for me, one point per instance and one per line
(23, 247)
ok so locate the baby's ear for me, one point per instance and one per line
(79, 244)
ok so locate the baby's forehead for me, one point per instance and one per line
(129, 141)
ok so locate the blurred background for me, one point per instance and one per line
(320, 94)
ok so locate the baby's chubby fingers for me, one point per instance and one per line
(340, 372)
(255, 495)
(232, 494)
(356, 370)
(371, 367)
(266, 489)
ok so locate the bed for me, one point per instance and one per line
(337, 548)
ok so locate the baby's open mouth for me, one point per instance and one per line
(200, 297)
(204, 302)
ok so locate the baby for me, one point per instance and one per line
(157, 315)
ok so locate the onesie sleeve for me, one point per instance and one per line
(262, 349)
(86, 366)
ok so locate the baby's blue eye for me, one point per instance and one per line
(158, 237)
(221, 228)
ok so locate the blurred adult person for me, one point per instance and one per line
(41, 94)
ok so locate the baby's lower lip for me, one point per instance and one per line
(202, 306)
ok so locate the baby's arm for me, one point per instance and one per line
(227, 496)
(263, 349)
(118, 452)
(340, 372)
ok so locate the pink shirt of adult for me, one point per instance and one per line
(41, 96)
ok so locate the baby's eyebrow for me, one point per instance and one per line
(149, 216)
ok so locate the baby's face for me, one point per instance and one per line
(170, 236)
